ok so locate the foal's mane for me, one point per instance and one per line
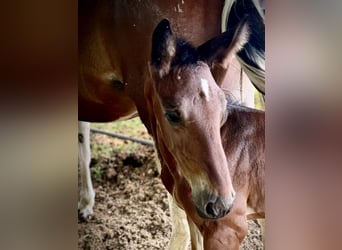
(233, 103)
(186, 54)
(231, 100)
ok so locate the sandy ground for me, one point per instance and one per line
(131, 208)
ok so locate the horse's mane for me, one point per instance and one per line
(231, 100)
(233, 103)
(252, 56)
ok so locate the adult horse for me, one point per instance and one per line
(114, 54)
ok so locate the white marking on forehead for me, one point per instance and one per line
(205, 88)
(179, 8)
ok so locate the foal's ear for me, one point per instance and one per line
(163, 48)
(222, 48)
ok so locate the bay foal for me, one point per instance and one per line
(211, 150)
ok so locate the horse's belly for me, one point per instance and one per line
(103, 100)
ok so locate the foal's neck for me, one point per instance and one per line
(244, 126)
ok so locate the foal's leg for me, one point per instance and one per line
(229, 231)
(196, 236)
(87, 194)
(227, 235)
(180, 237)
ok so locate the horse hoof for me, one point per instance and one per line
(85, 214)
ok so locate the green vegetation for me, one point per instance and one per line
(132, 127)
(105, 146)
(97, 172)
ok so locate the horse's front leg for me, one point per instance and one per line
(228, 232)
(227, 235)
(180, 236)
(87, 194)
(196, 236)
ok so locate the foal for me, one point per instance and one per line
(211, 150)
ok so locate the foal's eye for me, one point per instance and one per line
(173, 117)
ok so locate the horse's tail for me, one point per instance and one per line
(252, 56)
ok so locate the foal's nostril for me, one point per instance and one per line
(210, 209)
(217, 208)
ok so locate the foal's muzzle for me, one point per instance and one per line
(215, 207)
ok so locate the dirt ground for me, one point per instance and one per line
(131, 208)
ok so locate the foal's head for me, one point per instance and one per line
(190, 108)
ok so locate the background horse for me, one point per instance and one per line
(114, 54)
